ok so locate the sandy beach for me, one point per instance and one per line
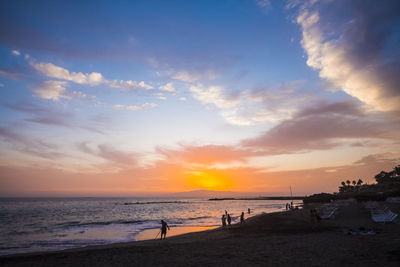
(276, 239)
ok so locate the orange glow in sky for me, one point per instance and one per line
(209, 180)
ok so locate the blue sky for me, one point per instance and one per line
(99, 87)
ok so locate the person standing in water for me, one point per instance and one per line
(242, 218)
(164, 227)
(248, 210)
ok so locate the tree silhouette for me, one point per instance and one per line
(354, 182)
(348, 182)
(359, 182)
(396, 170)
(343, 184)
(383, 177)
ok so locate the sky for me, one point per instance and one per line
(147, 98)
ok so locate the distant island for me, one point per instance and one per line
(259, 198)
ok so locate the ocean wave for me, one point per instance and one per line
(78, 223)
(153, 202)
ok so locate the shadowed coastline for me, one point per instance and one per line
(281, 239)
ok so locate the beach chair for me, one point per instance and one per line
(383, 215)
(328, 212)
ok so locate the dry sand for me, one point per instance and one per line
(276, 239)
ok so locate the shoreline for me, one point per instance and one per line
(278, 238)
(146, 235)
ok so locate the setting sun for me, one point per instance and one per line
(209, 180)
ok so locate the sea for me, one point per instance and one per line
(49, 224)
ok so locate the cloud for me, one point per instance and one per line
(55, 90)
(53, 71)
(322, 127)
(182, 99)
(356, 50)
(42, 114)
(167, 87)
(207, 154)
(93, 78)
(194, 76)
(29, 146)
(110, 154)
(15, 52)
(135, 107)
(253, 106)
(185, 77)
(128, 85)
(1, 85)
(214, 96)
(265, 5)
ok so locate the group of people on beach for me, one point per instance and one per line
(227, 218)
(289, 206)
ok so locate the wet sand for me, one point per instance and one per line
(276, 239)
(152, 234)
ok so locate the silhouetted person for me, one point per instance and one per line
(242, 218)
(287, 206)
(223, 219)
(229, 220)
(248, 210)
(226, 213)
(164, 226)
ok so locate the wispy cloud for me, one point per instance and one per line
(194, 76)
(207, 154)
(252, 106)
(135, 107)
(110, 154)
(15, 52)
(213, 95)
(55, 90)
(30, 146)
(169, 87)
(322, 127)
(93, 78)
(265, 5)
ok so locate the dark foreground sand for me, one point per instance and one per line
(276, 239)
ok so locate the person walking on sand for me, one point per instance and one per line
(223, 219)
(242, 218)
(229, 221)
(164, 227)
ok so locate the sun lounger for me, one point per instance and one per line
(328, 212)
(383, 215)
